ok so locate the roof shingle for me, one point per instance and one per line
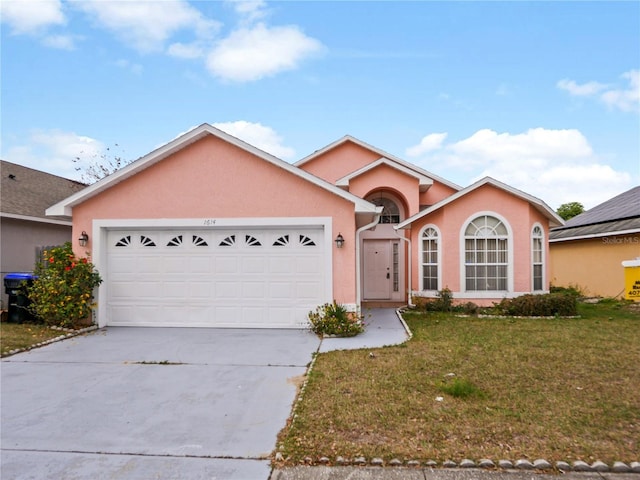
(28, 192)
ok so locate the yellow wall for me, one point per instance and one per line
(594, 265)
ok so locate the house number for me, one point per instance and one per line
(209, 221)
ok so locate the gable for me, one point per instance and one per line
(494, 194)
(212, 178)
(182, 143)
(339, 161)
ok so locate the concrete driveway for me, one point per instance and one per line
(151, 403)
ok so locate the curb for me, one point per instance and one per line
(69, 334)
(538, 465)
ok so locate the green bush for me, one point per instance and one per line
(335, 319)
(62, 293)
(546, 305)
(442, 303)
(574, 290)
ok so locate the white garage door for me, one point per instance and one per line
(240, 277)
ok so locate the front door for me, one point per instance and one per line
(378, 275)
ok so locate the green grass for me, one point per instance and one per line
(23, 335)
(559, 389)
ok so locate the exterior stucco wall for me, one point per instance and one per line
(435, 194)
(594, 265)
(340, 161)
(19, 240)
(451, 220)
(387, 178)
(213, 179)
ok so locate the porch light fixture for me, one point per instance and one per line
(339, 240)
(84, 238)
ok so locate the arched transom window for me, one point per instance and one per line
(486, 241)
(390, 212)
(430, 259)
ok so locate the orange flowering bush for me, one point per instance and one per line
(62, 293)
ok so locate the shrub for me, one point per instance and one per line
(335, 319)
(547, 305)
(62, 293)
(574, 290)
(442, 303)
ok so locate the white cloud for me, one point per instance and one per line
(145, 25)
(586, 89)
(625, 98)
(557, 166)
(62, 42)
(31, 16)
(250, 10)
(189, 51)
(431, 142)
(55, 151)
(258, 135)
(249, 54)
(628, 99)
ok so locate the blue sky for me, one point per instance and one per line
(544, 96)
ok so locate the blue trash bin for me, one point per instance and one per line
(15, 285)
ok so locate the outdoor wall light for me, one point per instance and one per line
(84, 238)
(339, 240)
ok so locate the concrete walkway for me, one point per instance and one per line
(384, 327)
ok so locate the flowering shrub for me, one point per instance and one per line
(62, 293)
(334, 319)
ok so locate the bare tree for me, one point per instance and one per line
(100, 165)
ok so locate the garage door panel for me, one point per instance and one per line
(307, 264)
(231, 278)
(226, 264)
(307, 290)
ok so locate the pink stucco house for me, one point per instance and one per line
(208, 230)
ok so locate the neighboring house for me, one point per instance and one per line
(208, 230)
(24, 228)
(589, 249)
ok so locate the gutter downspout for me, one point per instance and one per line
(375, 222)
(408, 240)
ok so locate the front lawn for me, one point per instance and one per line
(497, 388)
(23, 335)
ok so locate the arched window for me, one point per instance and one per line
(390, 212)
(486, 241)
(537, 258)
(430, 259)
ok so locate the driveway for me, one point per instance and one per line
(151, 403)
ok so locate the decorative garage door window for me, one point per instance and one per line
(151, 240)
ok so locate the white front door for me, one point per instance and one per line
(378, 274)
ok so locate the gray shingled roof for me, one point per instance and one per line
(619, 214)
(28, 192)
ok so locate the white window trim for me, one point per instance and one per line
(462, 271)
(544, 259)
(421, 256)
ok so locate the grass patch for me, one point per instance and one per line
(460, 388)
(23, 335)
(553, 388)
